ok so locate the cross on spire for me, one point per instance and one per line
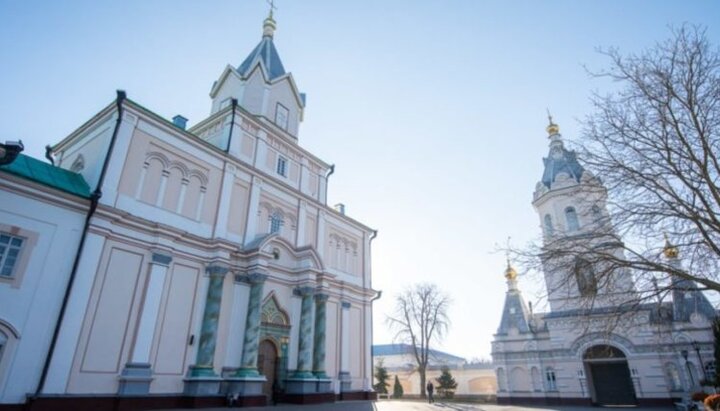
(272, 6)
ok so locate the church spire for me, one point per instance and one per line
(269, 25)
(552, 128)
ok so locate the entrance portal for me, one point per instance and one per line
(268, 365)
(610, 374)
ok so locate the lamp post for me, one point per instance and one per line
(684, 354)
(696, 346)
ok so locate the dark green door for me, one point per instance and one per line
(612, 383)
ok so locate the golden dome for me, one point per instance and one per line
(552, 128)
(510, 272)
(670, 250)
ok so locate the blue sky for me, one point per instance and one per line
(433, 111)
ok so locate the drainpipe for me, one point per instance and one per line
(94, 199)
(232, 123)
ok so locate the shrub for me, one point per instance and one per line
(397, 389)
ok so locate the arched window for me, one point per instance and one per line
(536, 379)
(585, 277)
(571, 219)
(549, 230)
(673, 377)
(276, 222)
(550, 381)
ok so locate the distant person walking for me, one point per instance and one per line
(429, 387)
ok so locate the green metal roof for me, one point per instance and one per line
(47, 174)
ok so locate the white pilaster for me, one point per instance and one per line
(321, 234)
(151, 307)
(302, 219)
(367, 334)
(322, 191)
(253, 207)
(181, 199)
(233, 354)
(117, 159)
(345, 337)
(236, 136)
(224, 206)
(161, 190)
(199, 311)
(71, 325)
(261, 151)
(304, 177)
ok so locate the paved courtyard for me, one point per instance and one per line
(416, 406)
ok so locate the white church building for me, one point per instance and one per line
(185, 265)
(656, 354)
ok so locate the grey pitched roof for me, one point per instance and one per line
(687, 299)
(564, 161)
(515, 314)
(266, 52)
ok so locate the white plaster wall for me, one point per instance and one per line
(30, 307)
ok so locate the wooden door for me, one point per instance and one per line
(267, 365)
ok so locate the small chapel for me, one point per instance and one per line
(160, 265)
(568, 355)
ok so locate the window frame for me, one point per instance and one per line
(279, 108)
(7, 249)
(30, 239)
(551, 379)
(571, 219)
(276, 223)
(281, 161)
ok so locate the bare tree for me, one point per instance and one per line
(653, 145)
(420, 318)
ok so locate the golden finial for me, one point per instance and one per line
(269, 25)
(510, 272)
(552, 128)
(670, 251)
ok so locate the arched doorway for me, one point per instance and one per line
(610, 376)
(268, 365)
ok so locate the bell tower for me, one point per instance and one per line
(571, 205)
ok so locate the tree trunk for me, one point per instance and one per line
(422, 383)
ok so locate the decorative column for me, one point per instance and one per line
(248, 367)
(324, 383)
(247, 380)
(302, 380)
(202, 379)
(304, 363)
(137, 374)
(319, 345)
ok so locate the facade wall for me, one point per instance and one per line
(50, 223)
(200, 207)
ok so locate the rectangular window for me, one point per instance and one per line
(281, 116)
(10, 247)
(275, 223)
(550, 377)
(282, 166)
